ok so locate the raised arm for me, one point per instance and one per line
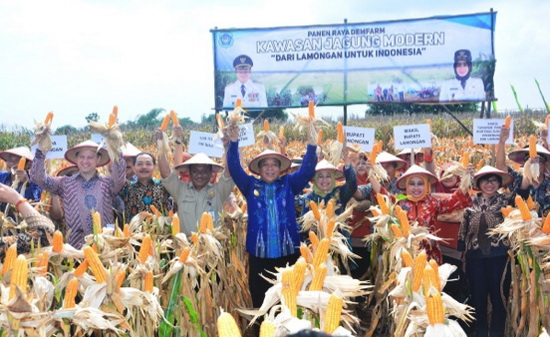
(164, 165)
(501, 149)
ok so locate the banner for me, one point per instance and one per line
(445, 58)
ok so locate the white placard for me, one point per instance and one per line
(412, 136)
(98, 138)
(59, 147)
(364, 137)
(246, 135)
(487, 131)
(206, 143)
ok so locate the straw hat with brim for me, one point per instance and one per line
(296, 162)
(21, 151)
(129, 151)
(412, 171)
(72, 153)
(254, 163)
(199, 159)
(519, 156)
(385, 157)
(67, 171)
(324, 165)
(488, 170)
(417, 153)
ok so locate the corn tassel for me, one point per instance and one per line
(434, 308)
(418, 270)
(145, 249)
(305, 253)
(175, 224)
(148, 282)
(530, 203)
(288, 293)
(227, 326)
(340, 132)
(165, 122)
(49, 118)
(315, 209)
(9, 260)
(81, 269)
(57, 242)
(95, 264)
(333, 313)
(184, 255)
(174, 117)
(19, 276)
(319, 137)
(155, 210)
(546, 225)
(41, 263)
(406, 258)
(70, 294)
(330, 208)
(508, 121)
(382, 203)
(311, 110)
(21, 163)
(522, 206)
(532, 147)
(267, 329)
(119, 278)
(321, 252)
(318, 278)
(266, 125)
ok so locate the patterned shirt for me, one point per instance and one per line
(540, 194)
(28, 190)
(138, 197)
(80, 196)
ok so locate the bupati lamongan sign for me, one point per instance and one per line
(438, 59)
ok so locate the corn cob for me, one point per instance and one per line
(281, 133)
(184, 255)
(546, 225)
(532, 147)
(311, 110)
(522, 206)
(506, 210)
(42, 260)
(465, 159)
(49, 118)
(19, 276)
(507, 121)
(315, 209)
(165, 121)
(435, 267)
(96, 222)
(375, 212)
(333, 313)
(174, 117)
(266, 125)
(155, 210)
(418, 270)
(70, 294)
(396, 231)
(330, 228)
(406, 258)
(340, 132)
(480, 164)
(21, 163)
(95, 264)
(374, 153)
(428, 279)
(146, 248)
(382, 203)
(434, 308)
(148, 282)
(287, 291)
(306, 254)
(319, 137)
(119, 277)
(244, 207)
(321, 252)
(298, 275)
(530, 203)
(115, 111)
(9, 260)
(112, 120)
(403, 221)
(126, 231)
(330, 208)
(267, 329)
(206, 222)
(175, 224)
(227, 327)
(318, 278)
(238, 103)
(57, 242)
(81, 269)
(195, 238)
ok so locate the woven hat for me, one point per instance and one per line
(417, 153)
(21, 151)
(254, 168)
(519, 156)
(487, 170)
(415, 170)
(71, 153)
(324, 165)
(129, 150)
(67, 171)
(199, 159)
(385, 157)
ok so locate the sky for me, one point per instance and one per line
(75, 57)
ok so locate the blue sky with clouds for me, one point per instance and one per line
(75, 57)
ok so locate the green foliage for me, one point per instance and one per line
(390, 109)
(93, 117)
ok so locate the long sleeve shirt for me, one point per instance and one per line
(80, 196)
(28, 190)
(272, 227)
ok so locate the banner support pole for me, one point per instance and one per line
(456, 119)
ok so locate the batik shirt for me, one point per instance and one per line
(139, 197)
(28, 190)
(540, 194)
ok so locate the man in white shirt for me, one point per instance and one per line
(251, 93)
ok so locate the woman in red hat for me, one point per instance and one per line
(423, 208)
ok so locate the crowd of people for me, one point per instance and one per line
(276, 198)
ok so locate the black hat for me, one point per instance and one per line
(242, 60)
(463, 55)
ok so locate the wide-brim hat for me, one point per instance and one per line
(486, 170)
(412, 171)
(129, 150)
(519, 155)
(67, 171)
(21, 151)
(71, 153)
(385, 157)
(324, 165)
(296, 162)
(407, 151)
(254, 168)
(199, 159)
